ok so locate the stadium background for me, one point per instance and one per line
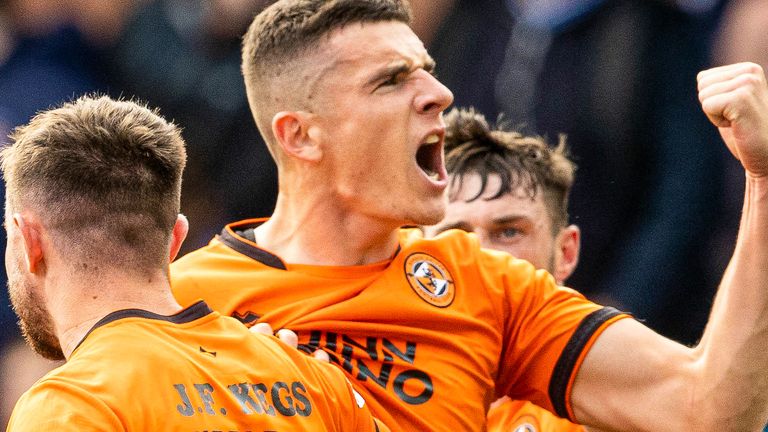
(657, 196)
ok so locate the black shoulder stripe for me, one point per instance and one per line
(188, 314)
(250, 251)
(558, 384)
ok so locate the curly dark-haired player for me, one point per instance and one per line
(511, 190)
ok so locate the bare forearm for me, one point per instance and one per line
(732, 378)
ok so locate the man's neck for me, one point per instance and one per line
(76, 312)
(323, 234)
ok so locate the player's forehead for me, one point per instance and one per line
(363, 49)
(483, 209)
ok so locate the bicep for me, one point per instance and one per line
(632, 378)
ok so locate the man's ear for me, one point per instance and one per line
(567, 252)
(33, 246)
(295, 135)
(180, 230)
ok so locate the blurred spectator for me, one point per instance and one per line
(428, 15)
(184, 56)
(468, 45)
(100, 22)
(617, 77)
(742, 35)
(46, 61)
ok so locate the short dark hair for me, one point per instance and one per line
(525, 163)
(104, 176)
(290, 29)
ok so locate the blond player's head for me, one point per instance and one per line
(95, 186)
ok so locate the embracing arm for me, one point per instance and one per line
(634, 379)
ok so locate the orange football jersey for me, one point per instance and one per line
(523, 416)
(193, 371)
(430, 337)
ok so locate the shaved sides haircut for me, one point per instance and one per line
(525, 163)
(104, 175)
(280, 39)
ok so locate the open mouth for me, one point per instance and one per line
(429, 157)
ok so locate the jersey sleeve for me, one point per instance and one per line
(548, 329)
(56, 406)
(184, 284)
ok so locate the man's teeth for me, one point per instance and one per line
(433, 176)
(432, 139)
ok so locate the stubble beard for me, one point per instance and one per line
(35, 321)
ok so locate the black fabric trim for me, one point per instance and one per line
(188, 314)
(259, 255)
(561, 375)
(249, 234)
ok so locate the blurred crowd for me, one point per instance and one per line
(656, 194)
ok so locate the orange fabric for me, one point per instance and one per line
(521, 416)
(430, 337)
(136, 373)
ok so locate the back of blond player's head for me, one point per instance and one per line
(284, 38)
(104, 176)
(522, 163)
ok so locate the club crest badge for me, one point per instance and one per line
(430, 279)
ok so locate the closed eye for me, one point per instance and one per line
(389, 76)
(392, 80)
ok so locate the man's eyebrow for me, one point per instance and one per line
(389, 71)
(398, 68)
(506, 220)
(429, 64)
